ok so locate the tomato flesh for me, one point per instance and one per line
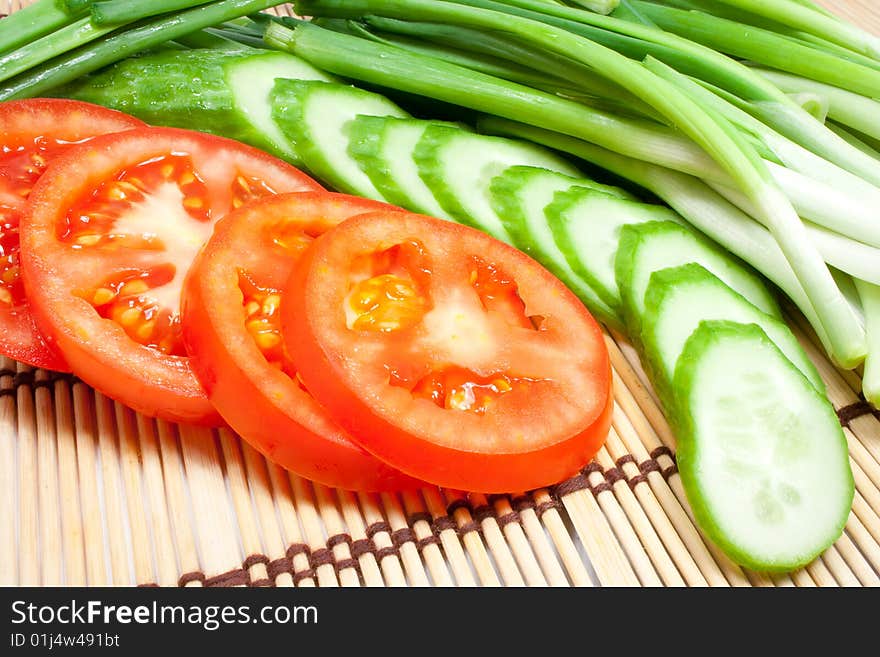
(113, 227)
(450, 355)
(33, 133)
(232, 328)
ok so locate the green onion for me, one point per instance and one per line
(35, 21)
(119, 12)
(807, 19)
(52, 45)
(710, 213)
(850, 109)
(870, 297)
(764, 47)
(395, 68)
(598, 6)
(90, 57)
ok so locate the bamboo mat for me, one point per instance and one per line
(98, 495)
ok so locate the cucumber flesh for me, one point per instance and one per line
(519, 196)
(383, 147)
(315, 116)
(646, 248)
(679, 298)
(761, 453)
(586, 228)
(458, 167)
(251, 80)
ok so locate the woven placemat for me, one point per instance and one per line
(96, 494)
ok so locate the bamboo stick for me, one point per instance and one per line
(649, 522)
(51, 544)
(97, 569)
(473, 543)
(69, 488)
(216, 540)
(312, 528)
(248, 533)
(261, 492)
(167, 569)
(28, 487)
(529, 533)
(452, 548)
(373, 574)
(179, 505)
(287, 512)
(407, 554)
(113, 493)
(141, 545)
(348, 576)
(510, 535)
(552, 521)
(9, 544)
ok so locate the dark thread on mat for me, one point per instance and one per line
(430, 539)
(338, 539)
(236, 577)
(253, 560)
(484, 512)
(613, 475)
(278, 566)
(413, 518)
(362, 546)
(378, 527)
(443, 523)
(389, 551)
(855, 410)
(148, 585)
(194, 576)
(402, 535)
(572, 485)
(297, 548)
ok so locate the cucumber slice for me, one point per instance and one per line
(458, 166)
(761, 453)
(646, 248)
(383, 147)
(315, 116)
(679, 298)
(251, 80)
(586, 228)
(518, 196)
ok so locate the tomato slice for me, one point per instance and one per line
(448, 354)
(113, 226)
(232, 330)
(32, 133)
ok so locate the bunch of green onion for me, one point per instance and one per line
(755, 120)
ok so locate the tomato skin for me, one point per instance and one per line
(263, 404)
(21, 123)
(445, 447)
(97, 349)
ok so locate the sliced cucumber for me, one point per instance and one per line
(315, 116)
(646, 248)
(761, 453)
(383, 147)
(679, 298)
(458, 167)
(519, 195)
(223, 92)
(586, 228)
(251, 80)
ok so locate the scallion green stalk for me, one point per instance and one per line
(35, 21)
(598, 6)
(869, 295)
(119, 12)
(807, 19)
(57, 43)
(88, 58)
(764, 47)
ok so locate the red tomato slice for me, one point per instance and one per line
(448, 354)
(32, 133)
(232, 330)
(113, 226)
